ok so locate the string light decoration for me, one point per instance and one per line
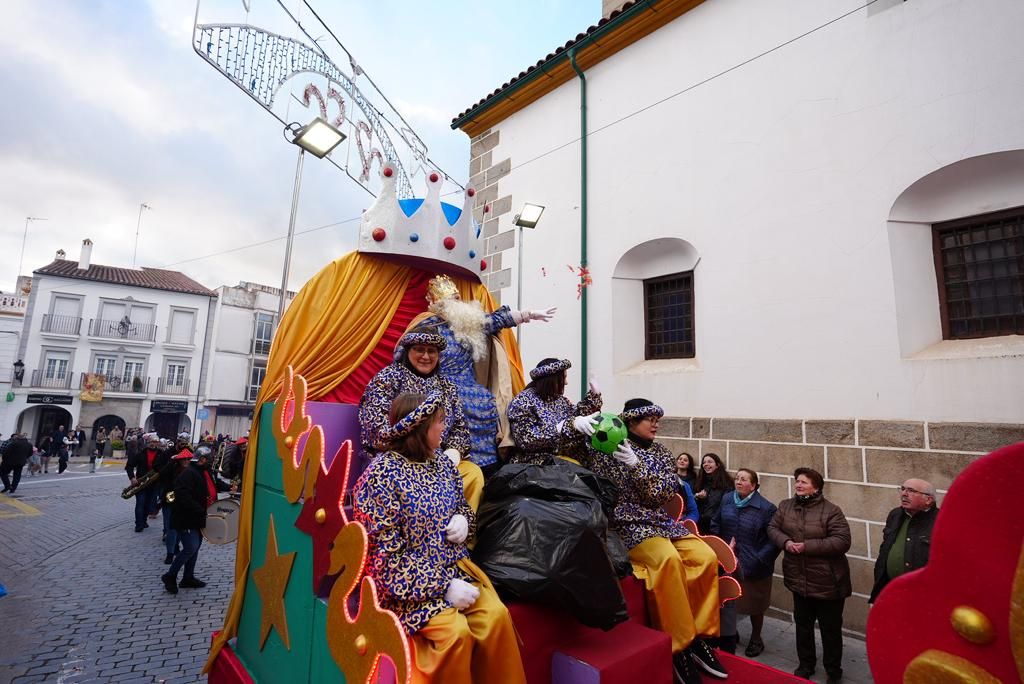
(260, 62)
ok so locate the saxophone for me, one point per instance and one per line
(144, 481)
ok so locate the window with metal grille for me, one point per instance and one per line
(668, 317)
(263, 335)
(256, 375)
(979, 263)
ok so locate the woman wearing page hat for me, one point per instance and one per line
(537, 414)
(416, 368)
(679, 570)
(417, 522)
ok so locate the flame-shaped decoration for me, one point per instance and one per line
(290, 423)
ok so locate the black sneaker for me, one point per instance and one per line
(803, 672)
(705, 659)
(191, 583)
(754, 648)
(168, 559)
(170, 583)
(683, 669)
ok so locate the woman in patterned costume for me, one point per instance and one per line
(416, 369)
(679, 570)
(537, 414)
(418, 521)
(467, 330)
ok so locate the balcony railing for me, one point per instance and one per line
(55, 381)
(172, 386)
(114, 383)
(61, 325)
(122, 330)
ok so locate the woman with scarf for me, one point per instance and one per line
(417, 521)
(416, 368)
(538, 413)
(678, 569)
(815, 536)
(743, 521)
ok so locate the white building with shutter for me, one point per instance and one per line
(245, 321)
(144, 330)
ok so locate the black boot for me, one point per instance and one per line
(170, 583)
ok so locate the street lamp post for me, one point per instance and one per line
(24, 237)
(528, 217)
(138, 227)
(318, 138)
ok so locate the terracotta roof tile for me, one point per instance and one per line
(152, 278)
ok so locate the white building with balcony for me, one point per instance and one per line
(143, 331)
(12, 320)
(245, 321)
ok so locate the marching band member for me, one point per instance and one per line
(416, 369)
(679, 570)
(195, 490)
(144, 461)
(418, 522)
(537, 414)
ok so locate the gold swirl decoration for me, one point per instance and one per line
(356, 643)
(1017, 616)
(939, 667)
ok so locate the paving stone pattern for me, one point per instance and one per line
(85, 601)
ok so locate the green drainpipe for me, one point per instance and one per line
(583, 218)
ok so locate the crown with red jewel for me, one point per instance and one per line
(426, 233)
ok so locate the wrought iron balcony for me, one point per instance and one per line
(115, 383)
(122, 330)
(53, 380)
(61, 325)
(172, 386)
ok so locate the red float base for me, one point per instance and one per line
(227, 668)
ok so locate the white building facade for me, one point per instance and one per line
(245, 321)
(144, 332)
(804, 226)
(12, 321)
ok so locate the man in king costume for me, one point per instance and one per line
(477, 366)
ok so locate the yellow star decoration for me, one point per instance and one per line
(271, 580)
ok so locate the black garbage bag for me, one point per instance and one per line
(541, 538)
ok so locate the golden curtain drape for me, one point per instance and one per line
(334, 323)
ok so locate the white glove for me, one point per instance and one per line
(541, 314)
(457, 529)
(592, 384)
(454, 456)
(461, 594)
(586, 425)
(625, 454)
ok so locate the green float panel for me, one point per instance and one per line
(275, 663)
(323, 668)
(268, 465)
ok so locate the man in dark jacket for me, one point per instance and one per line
(143, 462)
(15, 455)
(907, 537)
(195, 490)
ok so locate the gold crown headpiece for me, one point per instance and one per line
(441, 287)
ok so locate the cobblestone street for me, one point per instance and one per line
(85, 602)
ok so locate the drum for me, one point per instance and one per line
(222, 521)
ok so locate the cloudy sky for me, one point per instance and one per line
(107, 106)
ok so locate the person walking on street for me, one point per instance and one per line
(15, 455)
(82, 439)
(137, 468)
(195, 490)
(67, 449)
(45, 447)
(57, 448)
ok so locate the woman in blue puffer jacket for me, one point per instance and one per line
(743, 521)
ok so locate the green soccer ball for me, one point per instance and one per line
(610, 433)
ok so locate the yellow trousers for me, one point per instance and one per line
(681, 576)
(478, 644)
(472, 482)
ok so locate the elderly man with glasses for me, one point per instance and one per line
(907, 537)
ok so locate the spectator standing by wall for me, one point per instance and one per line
(907, 537)
(713, 482)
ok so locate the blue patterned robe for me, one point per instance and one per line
(534, 425)
(395, 379)
(405, 507)
(643, 490)
(477, 401)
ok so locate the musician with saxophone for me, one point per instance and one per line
(194, 491)
(142, 470)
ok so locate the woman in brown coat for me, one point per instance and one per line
(815, 536)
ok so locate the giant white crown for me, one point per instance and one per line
(426, 233)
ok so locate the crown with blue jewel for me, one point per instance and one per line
(426, 233)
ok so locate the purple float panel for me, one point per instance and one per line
(340, 422)
(568, 670)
